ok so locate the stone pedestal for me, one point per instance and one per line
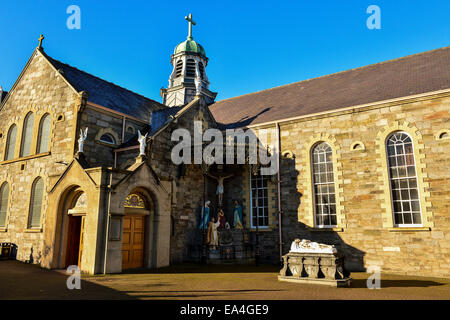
(235, 246)
(315, 268)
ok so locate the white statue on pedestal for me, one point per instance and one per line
(83, 137)
(306, 246)
(142, 142)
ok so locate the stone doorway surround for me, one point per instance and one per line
(105, 190)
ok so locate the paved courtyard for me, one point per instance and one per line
(187, 281)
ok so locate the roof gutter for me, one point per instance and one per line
(94, 105)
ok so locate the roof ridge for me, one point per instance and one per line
(109, 82)
(335, 73)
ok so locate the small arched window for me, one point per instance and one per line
(403, 180)
(444, 135)
(37, 194)
(135, 200)
(179, 68)
(44, 134)
(190, 68)
(4, 196)
(130, 129)
(11, 143)
(27, 135)
(107, 138)
(323, 185)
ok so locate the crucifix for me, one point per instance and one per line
(40, 41)
(220, 185)
(191, 22)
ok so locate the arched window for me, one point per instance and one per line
(403, 180)
(4, 196)
(11, 143)
(130, 129)
(135, 201)
(201, 68)
(179, 68)
(44, 134)
(107, 138)
(27, 135)
(190, 68)
(323, 186)
(37, 193)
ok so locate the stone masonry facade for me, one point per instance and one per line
(40, 90)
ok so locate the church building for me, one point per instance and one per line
(87, 177)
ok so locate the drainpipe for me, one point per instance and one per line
(279, 191)
(107, 223)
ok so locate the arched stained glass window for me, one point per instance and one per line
(134, 201)
(4, 196)
(37, 194)
(27, 135)
(403, 180)
(11, 143)
(323, 186)
(44, 134)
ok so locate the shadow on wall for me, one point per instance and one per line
(291, 200)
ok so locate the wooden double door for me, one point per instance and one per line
(133, 241)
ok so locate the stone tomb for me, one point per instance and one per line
(309, 262)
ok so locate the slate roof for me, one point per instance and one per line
(108, 94)
(160, 117)
(420, 73)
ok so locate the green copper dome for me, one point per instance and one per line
(190, 46)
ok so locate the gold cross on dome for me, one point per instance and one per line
(40, 41)
(191, 22)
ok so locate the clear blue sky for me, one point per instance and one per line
(252, 45)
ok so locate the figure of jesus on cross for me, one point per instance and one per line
(220, 188)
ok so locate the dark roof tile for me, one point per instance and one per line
(411, 75)
(108, 94)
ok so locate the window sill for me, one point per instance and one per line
(33, 230)
(326, 229)
(34, 156)
(106, 144)
(261, 229)
(403, 229)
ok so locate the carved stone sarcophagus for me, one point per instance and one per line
(314, 263)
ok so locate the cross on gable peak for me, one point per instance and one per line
(40, 41)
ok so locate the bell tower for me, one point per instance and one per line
(188, 78)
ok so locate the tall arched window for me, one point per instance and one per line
(11, 143)
(323, 185)
(201, 68)
(27, 135)
(4, 196)
(44, 134)
(37, 193)
(179, 68)
(403, 180)
(190, 68)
